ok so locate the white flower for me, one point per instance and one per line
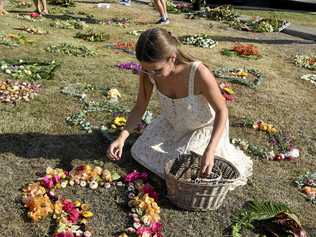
(87, 234)
(7, 71)
(64, 184)
(293, 153)
(71, 183)
(83, 183)
(93, 185)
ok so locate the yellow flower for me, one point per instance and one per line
(112, 93)
(229, 90)
(77, 203)
(242, 74)
(85, 207)
(87, 214)
(119, 121)
(123, 235)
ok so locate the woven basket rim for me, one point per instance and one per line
(222, 182)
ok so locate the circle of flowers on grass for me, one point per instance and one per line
(281, 144)
(245, 76)
(202, 40)
(43, 198)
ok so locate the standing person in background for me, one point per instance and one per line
(161, 6)
(41, 6)
(2, 11)
(125, 2)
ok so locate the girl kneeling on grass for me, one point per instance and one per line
(193, 117)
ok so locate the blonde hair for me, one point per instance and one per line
(157, 44)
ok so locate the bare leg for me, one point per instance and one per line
(2, 11)
(44, 4)
(37, 5)
(164, 5)
(159, 8)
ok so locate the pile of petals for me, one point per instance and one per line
(12, 91)
(127, 47)
(134, 67)
(248, 51)
(282, 143)
(227, 91)
(144, 208)
(309, 77)
(307, 185)
(42, 198)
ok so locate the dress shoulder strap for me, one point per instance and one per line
(191, 77)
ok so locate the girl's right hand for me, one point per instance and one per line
(115, 150)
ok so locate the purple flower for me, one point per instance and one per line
(135, 67)
(47, 182)
(131, 177)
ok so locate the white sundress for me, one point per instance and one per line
(184, 125)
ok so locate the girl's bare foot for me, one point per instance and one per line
(44, 12)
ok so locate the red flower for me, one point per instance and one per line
(150, 190)
(68, 206)
(74, 215)
(156, 227)
(131, 177)
(143, 230)
(64, 234)
(35, 14)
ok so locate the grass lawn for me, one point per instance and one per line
(34, 135)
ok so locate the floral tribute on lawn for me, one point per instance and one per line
(309, 77)
(260, 25)
(144, 214)
(135, 32)
(69, 49)
(267, 218)
(227, 91)
(32, 30)
(176, 8)
(224, 13)
(43, 198)
(13, 40)
(92, 36)
(305, 61)
(307, 185)
(13, 91)
(28, 70)
(247, 51)
(122, 22)
(130, 66)
(281, 145)
(245, 76)
(202, 40)
(127, 47)
(69, 24)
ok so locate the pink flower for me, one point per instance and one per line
(56, 179)
(150, 190)
(68, 206)
(47, 182)
(35, 14)
(74, 215)
(64, 234)
(131, 177)
(156, 227)
(143, 230)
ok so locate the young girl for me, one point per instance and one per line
(193, 115)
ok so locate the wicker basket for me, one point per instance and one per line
(201, 194)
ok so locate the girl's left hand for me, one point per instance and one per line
(207, 163)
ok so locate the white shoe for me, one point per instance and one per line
(125, 2)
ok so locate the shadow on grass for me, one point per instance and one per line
(262, 41)
(65, 148)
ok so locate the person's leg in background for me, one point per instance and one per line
(2, 11)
